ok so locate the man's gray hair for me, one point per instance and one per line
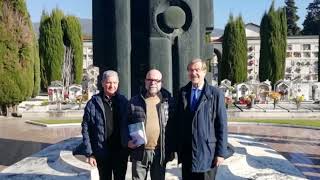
(204, 65)
(109, 73)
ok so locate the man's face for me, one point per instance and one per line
(110, 85)
(196, 74)
(153, 82)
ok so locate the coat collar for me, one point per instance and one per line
(163, 94)
(206, 88)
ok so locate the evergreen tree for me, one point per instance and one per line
(44, 66)
(36, 88)
(51, 47)
(73, 40)
(273, 33)
(16, 54)
(225, 65)
(264, 61)
(311, 25)
(60, 49)
(234, 57)
(292, 18)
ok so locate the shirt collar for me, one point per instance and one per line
(199, 88)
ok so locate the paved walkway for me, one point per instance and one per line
(301, 146)
(19, 139)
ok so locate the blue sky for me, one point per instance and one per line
(251, 10)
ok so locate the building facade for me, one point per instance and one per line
(301, 60)
(87, 53)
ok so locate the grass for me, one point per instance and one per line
(297, 122)
(58, 121)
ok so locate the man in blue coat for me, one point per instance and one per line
(105, 130)
(201, 123)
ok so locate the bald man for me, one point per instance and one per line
(153, 107)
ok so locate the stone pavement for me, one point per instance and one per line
(250, 160)
(301, 146)
(19, 139)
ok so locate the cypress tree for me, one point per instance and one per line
(73, 39)
(36, 88)
(239, 52)
(292, 18)
(225, 65)
(273, 32)
(234, 56)
(44, 65)
(16, 54)
(311, 24)
(264, 61)
(51, 47)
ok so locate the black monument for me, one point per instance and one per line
(133, 36)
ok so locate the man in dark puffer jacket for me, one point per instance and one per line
(105, 130)
(153, 107)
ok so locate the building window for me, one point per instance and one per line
(307, 54)
(306, 46)
(315, 54)
(289, 47)
(297, 54)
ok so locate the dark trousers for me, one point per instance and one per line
(150, 162)
(188, 175)
(114, 163)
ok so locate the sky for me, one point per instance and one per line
(251, 10)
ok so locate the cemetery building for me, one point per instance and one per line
(301, 60)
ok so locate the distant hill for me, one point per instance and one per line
(218, 32)
(86, 25)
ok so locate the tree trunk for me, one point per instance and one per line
(8, 110)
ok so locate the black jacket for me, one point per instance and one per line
(93, 125)
(137, 113)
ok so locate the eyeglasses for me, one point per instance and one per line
(154, 80)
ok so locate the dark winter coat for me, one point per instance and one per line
(137, 113)
(204, 131)
(93, 125)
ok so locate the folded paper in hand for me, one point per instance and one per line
(138, 133)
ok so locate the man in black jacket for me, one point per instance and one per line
(153, 107)
(201, 123)
(105, 130)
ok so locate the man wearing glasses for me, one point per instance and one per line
(201, 125)
(152, 106)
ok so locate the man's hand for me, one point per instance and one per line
(92, 161)
(218, 161)
(131, 144)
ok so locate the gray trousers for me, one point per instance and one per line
(150, 161)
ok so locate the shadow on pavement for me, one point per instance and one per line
(13, 151)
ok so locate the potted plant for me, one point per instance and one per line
(275, 96)
(297, 100)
